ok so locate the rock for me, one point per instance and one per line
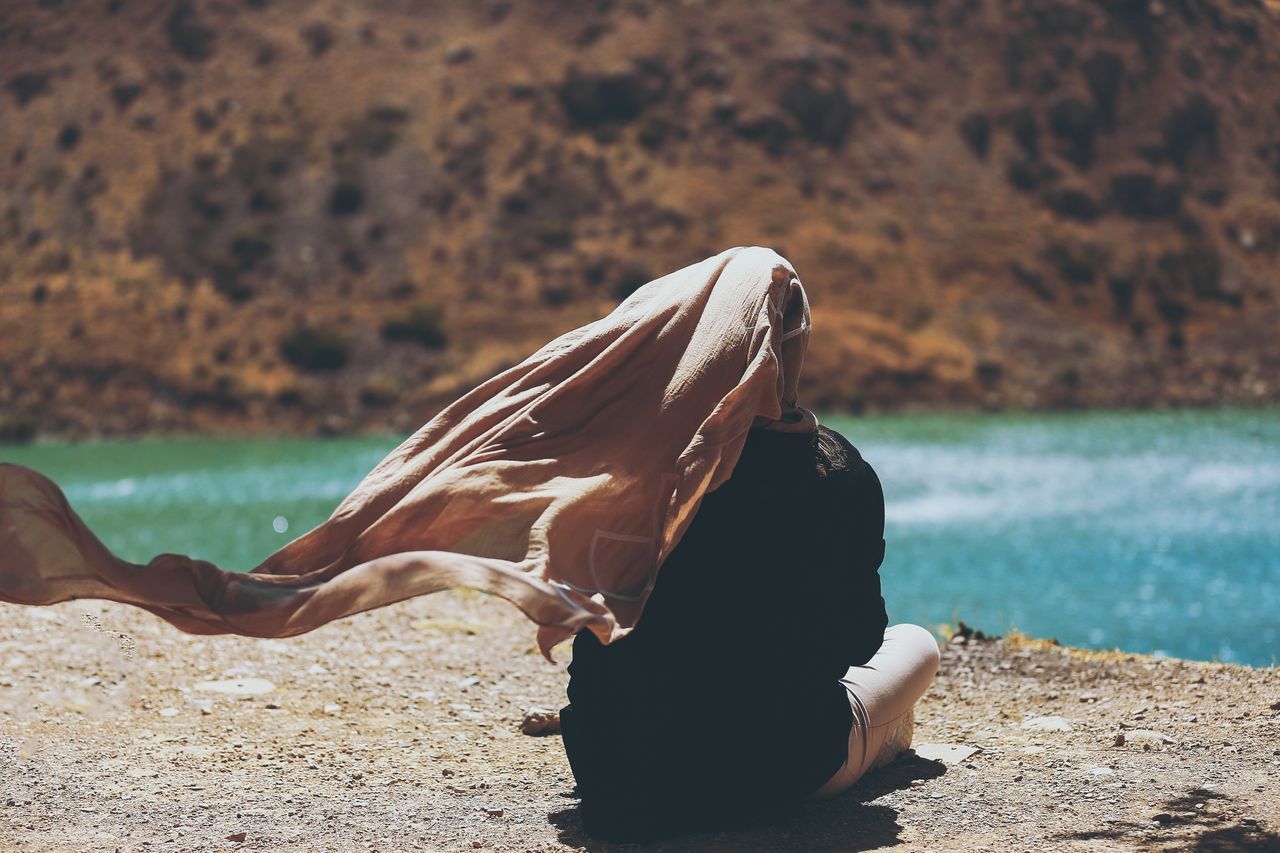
(168, 712)
(494, 812)
(1047, 724)
(963, 631)
(238, 686)
(237, 836)
(1146, 739)
(540, 721)
(947, 753)
(332, 708)
(1162, 817)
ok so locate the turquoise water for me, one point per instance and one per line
(1153, 532)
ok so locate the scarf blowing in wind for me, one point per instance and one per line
(561, 484)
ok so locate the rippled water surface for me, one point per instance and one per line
(1155, 532)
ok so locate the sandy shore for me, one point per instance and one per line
(399, 729)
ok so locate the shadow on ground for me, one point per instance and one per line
(1179, 825)
(848, 822)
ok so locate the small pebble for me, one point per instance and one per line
(237, 686)
(1146, 738)
(1047, 724)
(540, 721)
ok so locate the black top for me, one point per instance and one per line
(725, 697)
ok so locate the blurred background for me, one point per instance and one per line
(275, 219)
(279, 215)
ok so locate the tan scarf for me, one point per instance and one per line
(560, 484)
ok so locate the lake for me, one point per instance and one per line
(1152, 532)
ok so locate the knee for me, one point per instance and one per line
(919, 644)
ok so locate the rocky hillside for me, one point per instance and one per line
(282, 215)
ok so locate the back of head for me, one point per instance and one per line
(788, 506)
(785, 465)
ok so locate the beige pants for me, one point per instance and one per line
(883, 692)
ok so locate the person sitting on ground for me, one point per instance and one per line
(692, 722)
(760, 670)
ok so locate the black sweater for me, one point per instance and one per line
(725, 697)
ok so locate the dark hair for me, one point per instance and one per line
(787, 465)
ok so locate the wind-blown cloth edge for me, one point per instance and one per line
(560, 484)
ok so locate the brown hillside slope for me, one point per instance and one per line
(257, 215)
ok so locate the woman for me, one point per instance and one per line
(568, 484)
(691, 720)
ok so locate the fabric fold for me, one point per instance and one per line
(561, 484)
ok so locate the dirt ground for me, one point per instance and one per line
(400, 729)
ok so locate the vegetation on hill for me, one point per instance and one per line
(288, 215)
